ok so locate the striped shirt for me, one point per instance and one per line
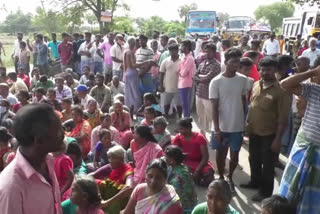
(311, 120)
(144, 54)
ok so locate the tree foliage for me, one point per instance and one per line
(148, 25)
(95, 7)
(122, 24)
(17, 22)
(184, 9)
(274, 13)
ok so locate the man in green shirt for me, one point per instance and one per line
(45, 83)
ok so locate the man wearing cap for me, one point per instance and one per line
(105, 52)
(4, 94)
(86, 52)
(82, 92)
(116, 53)
(65, 50)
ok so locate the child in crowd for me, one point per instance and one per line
(85, 76)
(63, 167)
(35, 74)
(66, 106)
(277, 204)
(22, 75)
(148, 100)
(5, 150)
(85, 195)
(149, 115)
(102, 147)
(180, 178)
(74, 152)
(91, 82)
(160, 132)
(39, 95)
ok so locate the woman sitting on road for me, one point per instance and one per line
(154, 196)
(144, 149)
(121, 120)
(82, 130)
(180, 178)
(194, 145)
(218, 200)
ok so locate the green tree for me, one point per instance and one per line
(122, 24)
(184, 9)
(147, 26)
(96, 7)
(274, 13)
(17, 22)
(175, 27)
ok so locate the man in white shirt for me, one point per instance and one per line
(271, 46)
(169, 80)
(86, 52)
(116, 53)
(62, 91)
(17, 84)
(16, 50)
(312, 52)
(228, 94)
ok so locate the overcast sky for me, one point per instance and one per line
(165, 8)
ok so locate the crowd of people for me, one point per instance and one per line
(93, 137)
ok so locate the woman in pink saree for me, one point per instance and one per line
(121, 120)
(154, 196)
(144, 149)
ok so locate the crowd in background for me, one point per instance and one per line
(85, 126)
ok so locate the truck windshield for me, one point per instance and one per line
(201, 21)
(238, 23)
(317, 24)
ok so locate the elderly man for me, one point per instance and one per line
(312, 52)
(28, 184)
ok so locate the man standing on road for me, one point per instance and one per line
(267, 120)
(53, 46)
(106, 54)
(207, 70)
(42, 55)
(28, 184)
(116, 52)
(271, 46)
(86, 53)
(244, 47)
(312, 52)
(144, 53)
(169, 81)
(228, 94)
(16, 50)
(65, 50)
(300, 180)
(77, 41)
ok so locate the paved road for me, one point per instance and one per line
(241, 200)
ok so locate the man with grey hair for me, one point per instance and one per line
(312, 52)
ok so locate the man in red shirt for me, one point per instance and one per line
(65, 50)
